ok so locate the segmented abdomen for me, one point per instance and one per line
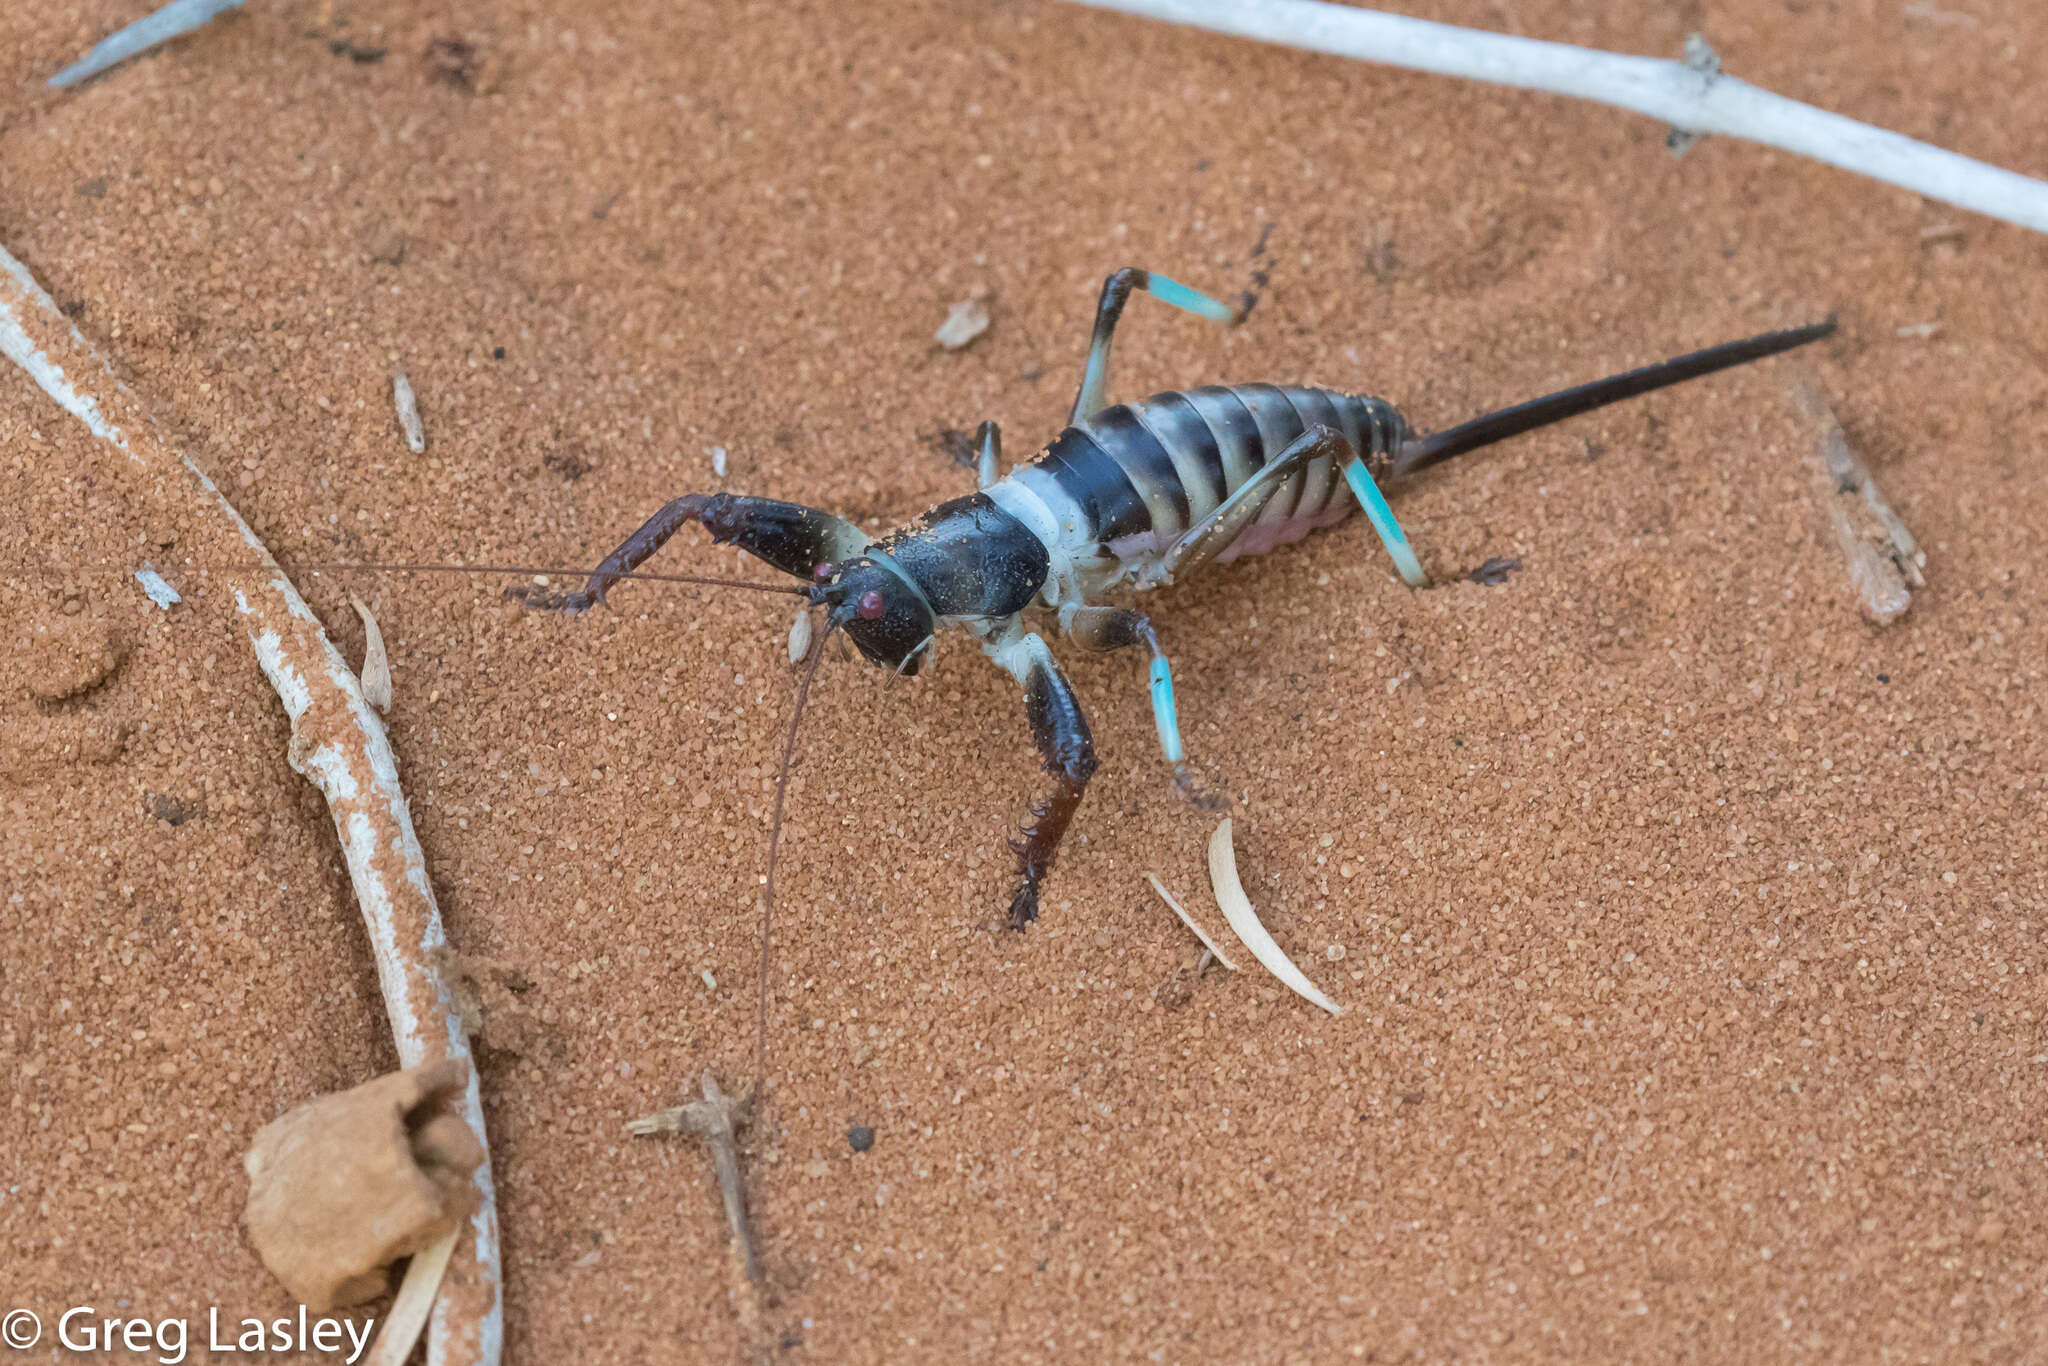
(1130, 481)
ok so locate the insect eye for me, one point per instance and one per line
(872, 604)
(825, 572)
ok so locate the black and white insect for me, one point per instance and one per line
(1128, 498)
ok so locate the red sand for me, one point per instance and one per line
(1691, 928)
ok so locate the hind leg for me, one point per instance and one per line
(1116, 292)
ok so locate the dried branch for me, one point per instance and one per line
(159, 26)
(337, 742)
(1692, 96)
(715, 1120)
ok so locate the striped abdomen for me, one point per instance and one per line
(1128, 482)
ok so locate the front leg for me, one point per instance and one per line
(794, 538)
(1061, 733)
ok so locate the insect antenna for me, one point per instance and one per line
(796, 716)
(317, 567)
(336, 566)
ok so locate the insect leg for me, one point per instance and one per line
(790, 536)
(991, 438)
(1382, 518)
(1116, 292)
(1213, 534)
(1101, 629)
(1061, 732)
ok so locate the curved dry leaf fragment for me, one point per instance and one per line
(1237, 909)
(408, 405)
(376, 671)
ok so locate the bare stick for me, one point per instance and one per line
(1884, 561)
(414, 1301)
(160, 26)
(714, 1120)
(1692, 97)
(1210, 948)
(337, 742)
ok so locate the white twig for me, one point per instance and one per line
(337, 742)
(160, 26)
(1209, 945)
(414, 1301)
(1691, 98)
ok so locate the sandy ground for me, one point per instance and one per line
(1691, 929)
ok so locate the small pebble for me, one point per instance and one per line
(718, 461)
(160, 592)
(800, 635)
(860, 1138)
(709, 980)
(407, 403)
(965, 321)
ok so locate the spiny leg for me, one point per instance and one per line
(1116, 292)
(1061, 733)
(1101, 629)
(1213, 535)
(990, 439)
(790, 536)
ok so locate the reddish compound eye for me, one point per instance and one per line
(825, 572)
(872, 604)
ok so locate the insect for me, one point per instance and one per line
(1128, 498)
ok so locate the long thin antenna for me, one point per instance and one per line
(796, 716)
(532, 570)
(1419, 453)
(369, 567)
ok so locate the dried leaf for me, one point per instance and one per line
(1237, 909)
(408, 405)
(376, 670)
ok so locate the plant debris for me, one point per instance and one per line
(1209, 946)
(376, 671)
(178, 17)
(408, 405)
(713, 1119)
(1884, 560)
(1237, 909)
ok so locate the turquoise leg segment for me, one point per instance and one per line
(1163, 713)
(1194, 301)
(1382, 517)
